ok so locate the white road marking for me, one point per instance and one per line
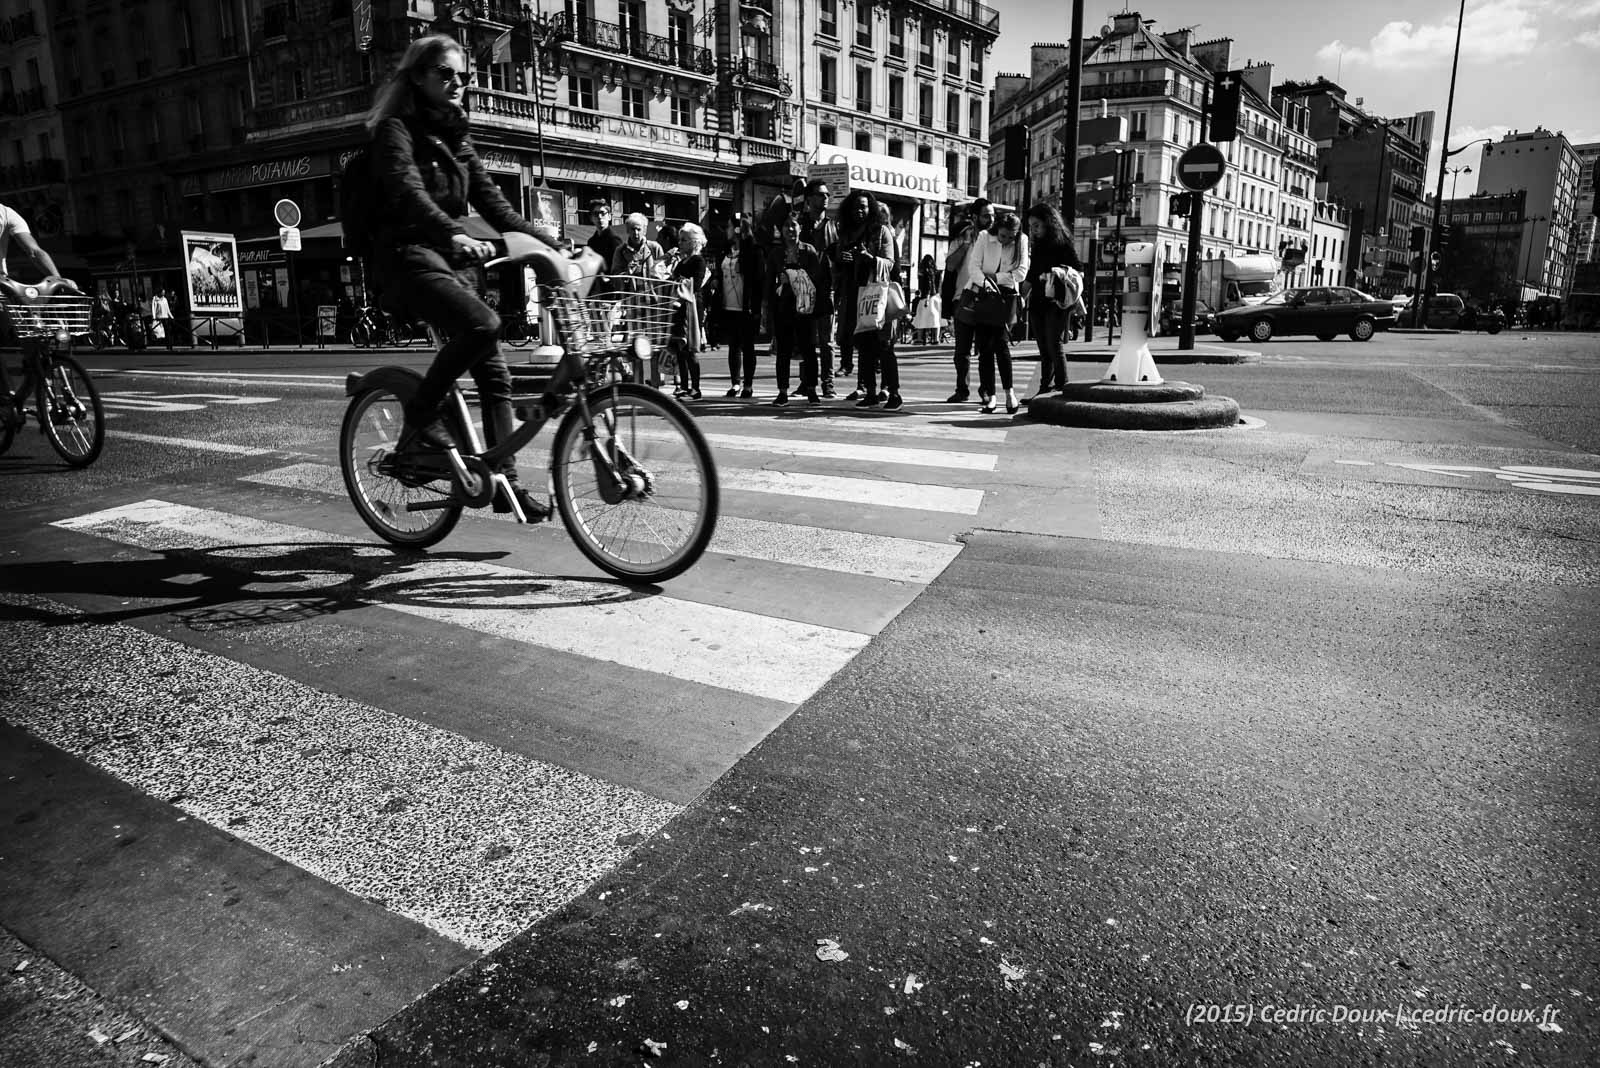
(880, 492)
(193, 443)
(897, 427)
(233, 376)
(465, 838)
(839, 450)
(147, 401)
(845, 551)
(701, 643)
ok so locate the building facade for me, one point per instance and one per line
(33, 170)
(1328, 254)
(1546, 165)
(1485, 250)
(1587, 245)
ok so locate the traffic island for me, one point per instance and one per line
(1137, 406)
(1132, 395)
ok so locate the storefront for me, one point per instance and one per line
(916, 194)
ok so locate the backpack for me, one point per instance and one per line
(358, 202)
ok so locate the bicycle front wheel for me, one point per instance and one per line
(382, 485)
(361, 335)
(70, 411)
(640, 494)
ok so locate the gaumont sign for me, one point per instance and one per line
(888, 174)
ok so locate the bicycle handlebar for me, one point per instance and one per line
(47, 288)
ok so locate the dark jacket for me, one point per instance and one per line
(821, 234)
(1046, 256)
(426, 184)
(872, 249)
(780, 294)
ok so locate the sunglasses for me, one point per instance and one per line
(448, 74)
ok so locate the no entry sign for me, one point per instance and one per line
(1201, 167)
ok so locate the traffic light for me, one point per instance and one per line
(1182, 205)
(1225, 90)
(1444, 233)
(1419, 237)
(1016, 159)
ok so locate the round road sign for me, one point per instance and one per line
(287, 212)
(1201, 167)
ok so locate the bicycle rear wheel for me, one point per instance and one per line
(381, 485)
(73, 419)
(659, 519)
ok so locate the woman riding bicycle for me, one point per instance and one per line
(427, 172)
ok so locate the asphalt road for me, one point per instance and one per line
(1200, 735)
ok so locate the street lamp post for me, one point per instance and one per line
(1445, 154)
(1456, 172)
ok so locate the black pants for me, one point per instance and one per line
(877, 357)
(994, 347)
(1049, 321)
(420, 281)
(791, 335)
(740, 330)
(963, 358)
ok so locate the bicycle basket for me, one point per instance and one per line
(608, 322)
(47, 315)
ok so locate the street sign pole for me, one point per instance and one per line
(1191, 266)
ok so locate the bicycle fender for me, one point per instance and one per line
(401, 381)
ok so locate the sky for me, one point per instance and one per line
(1524, 63)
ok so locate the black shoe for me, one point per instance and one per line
(533, 508)
(957, 397)
(867, 402)
(893, 402)
(812, 398)
(733, 391)
(781, 399)
(433, 434)
(747, 393)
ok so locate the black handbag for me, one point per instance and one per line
(991, 307)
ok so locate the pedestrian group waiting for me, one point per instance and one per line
(826, 292)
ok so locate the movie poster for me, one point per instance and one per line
(211, 265)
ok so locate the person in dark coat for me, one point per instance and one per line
(604, 240)
(1050, 247)
(795, 297)
(822, 234)
(427, 173)
(865, 254)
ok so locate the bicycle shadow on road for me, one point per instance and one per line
(265, 584)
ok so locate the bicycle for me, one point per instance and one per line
(519, 329)
(46, 317)
(375, 328)
(633, 477)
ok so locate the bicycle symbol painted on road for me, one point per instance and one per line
(1569, 480)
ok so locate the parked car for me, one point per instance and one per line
(1492, 320)
(1324, 311)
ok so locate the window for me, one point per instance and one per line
(972, 177)
(952, 112)
(758, 123)
(925, 105)
(1136, 125)
(580, 92)
(925, 56)
(828, 135)
(975, 118)
(897, 35)
(300, 88)
(828, 18)
(863, 142)
(633, 102)
(897, 148)
(682, 111)
(977, 61)
(924, 154)
(952, 57)
(952, 169)
(863, 88)
(863, 23)
(227, 27)
(829, 70)
(680, 37)
(630, 22)
(897, 97)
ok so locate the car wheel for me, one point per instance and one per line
(1494, 328)
(1324, 337)
(1363, 330)
(1261, 330)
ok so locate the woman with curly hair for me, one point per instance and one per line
(1051, 250)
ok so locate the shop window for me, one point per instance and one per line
(580, 92)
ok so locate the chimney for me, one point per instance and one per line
(1178, 40)
(1047, 58)
(1127, 22)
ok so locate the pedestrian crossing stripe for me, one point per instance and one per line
(871, 491)
(846, 551)
(853, 451)
(688, 640)
(901, 425)
(472, 841)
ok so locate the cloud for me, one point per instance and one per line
(1579, 9)
(1493, 32)
(1590, 39)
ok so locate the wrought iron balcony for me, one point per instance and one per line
(761, 73)
(18, 28)
(20, 103)
(627, 41)
(1125, 90)
(967, 10)
(33, 172)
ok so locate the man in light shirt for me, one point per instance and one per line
(14, 227)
